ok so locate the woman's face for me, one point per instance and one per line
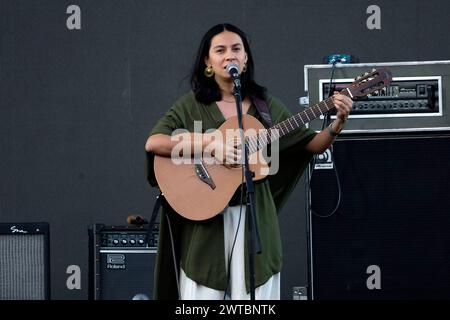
(226, 47)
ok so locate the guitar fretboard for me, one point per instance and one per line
(264, 137)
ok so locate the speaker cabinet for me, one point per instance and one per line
(121, 262)
(24, 261)
(389, 238)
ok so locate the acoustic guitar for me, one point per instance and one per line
(202, 189)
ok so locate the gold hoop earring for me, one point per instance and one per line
(209, 71)
(244, 68)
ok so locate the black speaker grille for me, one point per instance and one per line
(394, 214)
(127, 274)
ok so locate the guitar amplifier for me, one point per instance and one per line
(24, 261)
(121, 262)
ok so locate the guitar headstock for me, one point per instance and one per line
(370, 82)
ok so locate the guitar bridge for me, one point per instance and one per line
(204, 176)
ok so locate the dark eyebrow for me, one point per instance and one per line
(222, 46)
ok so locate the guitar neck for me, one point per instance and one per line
(292, 123)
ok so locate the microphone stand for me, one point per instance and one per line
(254, 241)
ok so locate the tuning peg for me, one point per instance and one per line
(360, 77)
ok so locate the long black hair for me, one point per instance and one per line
(206, 89)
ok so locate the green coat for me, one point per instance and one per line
(198, 245)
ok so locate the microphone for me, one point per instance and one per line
(233, 70)
(136, 220)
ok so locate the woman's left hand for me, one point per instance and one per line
(343, 106)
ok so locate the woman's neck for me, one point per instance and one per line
(228, 95)
(226, 89)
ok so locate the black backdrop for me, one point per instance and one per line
(76, 105)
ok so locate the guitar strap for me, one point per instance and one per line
(263, 110)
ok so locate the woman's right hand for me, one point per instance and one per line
(227, 152)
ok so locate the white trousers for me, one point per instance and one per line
(191, 290)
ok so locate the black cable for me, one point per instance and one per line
(174, 256)
(338, 183)
(313, 161)
(235, 236)
(326, 118)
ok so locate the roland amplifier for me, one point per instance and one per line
(121, 263)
